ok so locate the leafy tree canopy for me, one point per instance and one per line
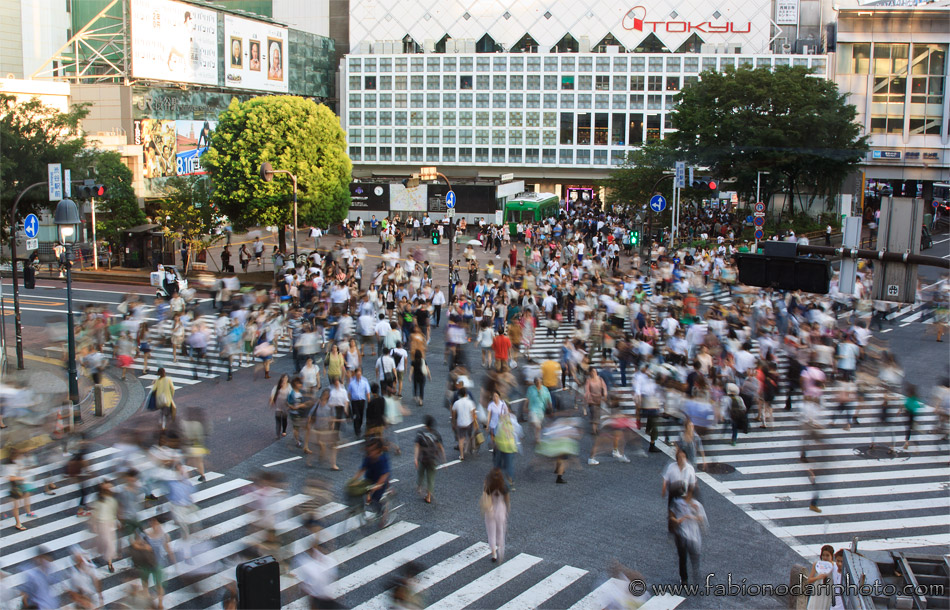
(187, 214)
(292, 134)
(33, 135)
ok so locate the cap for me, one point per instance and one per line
(732, 389)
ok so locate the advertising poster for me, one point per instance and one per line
(193, 138)
(786, 12)
(368, 197)
(174, 41)
(402, 199)
(257, 55)
(159, 141)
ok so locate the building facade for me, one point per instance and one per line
(892, 63)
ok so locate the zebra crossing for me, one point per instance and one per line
(887, 500)
(457, 572)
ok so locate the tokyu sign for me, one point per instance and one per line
(636, 19)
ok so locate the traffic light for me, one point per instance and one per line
(88, 191)
(705, 182)
(435, 237)
(634, 238)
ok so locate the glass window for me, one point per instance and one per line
(551, 82)
(498, 100)
(585, 82)
(386, 136)
(672, 83)
(465, 119)
(448, 119)
(567, 83)
(416, 64)
(481, 119)
(369, 100)
(482, 82)
(709, 64)
(401, 83)
(448, 155)
(515, 64)
(514, 155)
(448, 64)
(354, 136)
(672, 64)
(567, 128)
(482, 64)
(385, 64)
(534, 64)
(655, 83)
(583, 101)
(533, 100)
(465, 100)
(433, 83)
(550, 119)
(401, 119)
(481, 155)
(620, 64)
(432, 64)
(432, 119)
(448, 100)
(354, 64)
(583, 156)
(531, 155)
(516, 119)
(567, 101)
(585, 64)
(618, 101)
(370, 136)
(432, 100)
(514, 137)
(432, 136)
(691, 64)
(635, 130)
(385, 154)
(654, 102)
(515, 100)
(601, 101)
(415, 136)
(498, 119)
(600, 157)
(386, 83)
(550, 100)
(603, 64)
(401, 64)
(637, 64)
(688, 81)
(636, 102)
(763, 62)
(416, 83)
(369, 64)
(465, 155)
(549, 156)
(465, 136)
(636, 83)
(533, 119)
(385, 118)
(481, 100)
(567, 64)
(467, 64)
(448, 136)
(532, 138)
(416, 100)
(465, 81)
(602, 83)
(448, 82)
(653, 127)
(355, 83)
(416, 117)
(498, 82)
(745, 62)
(499, 64)
(356, 153)
(550, 64)
(534, 83)
(515, 82)
(415, 154)
(620, 83)
(355, 100)
(399, 153)
(498, 136)
(656, 64)
(566, 157)
(369, 153)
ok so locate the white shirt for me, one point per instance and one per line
(317, 573)
(464, 409)
(438, 298)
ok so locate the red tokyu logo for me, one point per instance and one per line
(636, 19)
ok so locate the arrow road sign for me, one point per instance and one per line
(658, 203)
(31, 226)
(450, 200)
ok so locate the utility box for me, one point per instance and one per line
(899, 232)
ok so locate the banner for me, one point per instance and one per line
(159, 140)
(193, 138)
(256, 55)
(175, 42)
(786, 12)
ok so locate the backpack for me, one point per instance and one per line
(428, 447)
(397, 358)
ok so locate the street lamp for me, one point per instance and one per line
(67, 219)
(267, 174)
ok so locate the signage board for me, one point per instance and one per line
(32, 243)
(760, 207)
(759, 234)
(886, 154)
(369, 197)
(499, 217)
(680, 178)
(68, 183)
(759, 221)
(31, 225)
(658, 203)
(55, 180)
(507, 177)
(174, 41)
(192, 139)
(786, 12)
(256, 55)
(450, 200)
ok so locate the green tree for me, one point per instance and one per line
(119, 209)
(786, 121)
(188, 215)
(33, 135)
(632, 184)
(292, 134)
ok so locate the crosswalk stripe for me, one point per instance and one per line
(782, 495)
(867, 526)
(847, 440)
(837, 478)
(666, 601)
(594, 599)
(877, 544)
(485, 584)
(817, 464)
(860, 508)
(434, 575)
(546, 589)
(767, 456)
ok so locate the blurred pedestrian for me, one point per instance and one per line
(496, 504)
(104, 521)
(429, 451)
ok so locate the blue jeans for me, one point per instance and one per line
(505, 461)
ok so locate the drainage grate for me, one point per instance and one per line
(718, 468)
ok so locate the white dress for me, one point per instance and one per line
(821, 600)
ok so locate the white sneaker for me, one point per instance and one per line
(623, 458)
(616, 454)
(592, 462)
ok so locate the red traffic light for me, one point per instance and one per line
(100, 190)
(712, 185)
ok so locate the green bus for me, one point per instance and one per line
(530, 207)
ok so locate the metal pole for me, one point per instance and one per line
(876, 255)
(758, 183)
(71, 333)
(451, 236)
(18, 328)
(295, 218)
(95, 249)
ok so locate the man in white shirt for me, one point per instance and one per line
(463, 420)
(386, 371)
(438, 300)
(382, 331)
(401, 358)
(315, 234)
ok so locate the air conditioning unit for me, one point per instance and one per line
(613, 49)
(365, 48)
(583, 44)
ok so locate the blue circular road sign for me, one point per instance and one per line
(759, 221)
(31, 225)
(450, 199)
(658, 203)
(759, 234)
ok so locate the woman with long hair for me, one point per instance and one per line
(496, 504)
(420, 373)
(278, 402)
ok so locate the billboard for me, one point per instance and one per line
(159, 141)
(369, 197)
(173, 41)
(193, 139)
(256, 55)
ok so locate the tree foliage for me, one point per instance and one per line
(187, 214)
(633, 183)
(292, 134)
(784, 121)
(119, 209)
(33, 135)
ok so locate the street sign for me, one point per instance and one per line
(936, 203)
(658, 203)
(32, 243)
(450, 212)
(506, 177)
(759, 221)
(893, 290)
(760, 207)
(759, 234)
(55, 181)
(681, 174)
(450, 200)
(67, 182)
(499, 217)
(31, 225)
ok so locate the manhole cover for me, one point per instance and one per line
(878, 452)
(719, 468)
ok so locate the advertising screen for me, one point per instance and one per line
(175, 42)
(256, 55)
(193, 138)
(158, 139)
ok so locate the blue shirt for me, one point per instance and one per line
(373, 471)
(358, 388)
(179, 492)
(39, 585)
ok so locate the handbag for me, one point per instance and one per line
(479, 438)
(484, 502)
(150, 401)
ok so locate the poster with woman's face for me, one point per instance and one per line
(275, 59)
(237, 53)
(254, 63)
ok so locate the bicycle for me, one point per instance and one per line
(356, 491)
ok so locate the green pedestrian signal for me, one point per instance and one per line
(634, 238)
(435, 237)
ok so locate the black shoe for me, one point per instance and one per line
(653, 449)
(202, 479)
(560, 480)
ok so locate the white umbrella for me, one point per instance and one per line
(474, 242)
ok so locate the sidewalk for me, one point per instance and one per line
(47, 378)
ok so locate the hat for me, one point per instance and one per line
(732, 389)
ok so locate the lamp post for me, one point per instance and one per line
(267, 174)
(430, 173)
(758, 183)
(67, 219)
